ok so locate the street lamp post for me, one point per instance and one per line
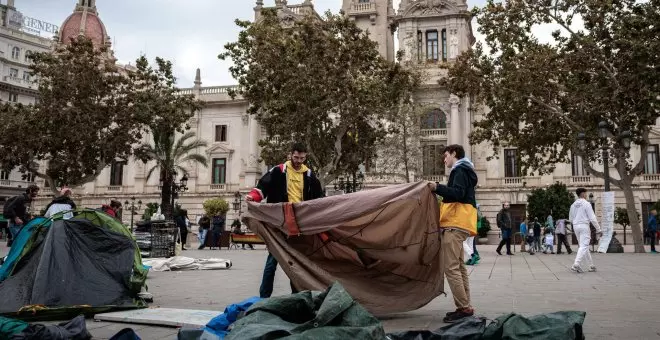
(603, 132)
(176, 188)
(238, 202)
(130, 206)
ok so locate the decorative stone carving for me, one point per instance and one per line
(246, 119)
(253, 161)
(408, 47)
(422, 7)
(454, 100)
(453, 44)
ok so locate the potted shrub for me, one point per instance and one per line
(215, 207)
(483, 230)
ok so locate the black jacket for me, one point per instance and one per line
(460, 187)
(273, 186)
(18, 207)
(504, 219)
(205, 222)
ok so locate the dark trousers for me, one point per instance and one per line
(506, 239)
(268, 279)
(561, 239)
(184, 235)
(474, 246)
(652, 236)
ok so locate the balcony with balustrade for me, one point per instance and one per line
(362, 9)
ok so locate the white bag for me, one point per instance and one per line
(467, 248)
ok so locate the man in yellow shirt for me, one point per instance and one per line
(291, 182)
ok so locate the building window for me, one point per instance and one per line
(26, 75)
(27, 55)
(219, 170)
(13, 98)
(652, 162)
(511, 166)
(15, 52)
(444, 45)
(433, 160)
(13, 73)
(29, 177)
(4, 175)
(117, 173)
(420, 46)
(436, 119)
(578, 166)
(221, 133)
(432, 45)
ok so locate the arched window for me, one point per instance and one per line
(435, 119)
(15, 52)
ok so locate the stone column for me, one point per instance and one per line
(455, 125)
(253, 171)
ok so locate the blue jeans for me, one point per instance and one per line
(14, 229)
(268, 279)
(202, 236)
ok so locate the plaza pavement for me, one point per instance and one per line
(622, 299)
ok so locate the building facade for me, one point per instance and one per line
(17, 85)
(432, 33)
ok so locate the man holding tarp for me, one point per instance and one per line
(458, 221)
(290, 182)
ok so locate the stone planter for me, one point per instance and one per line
(482, 240)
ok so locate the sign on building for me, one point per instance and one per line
(17, 20)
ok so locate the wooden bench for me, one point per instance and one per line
(247, 238)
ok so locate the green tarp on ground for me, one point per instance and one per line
(332, 314)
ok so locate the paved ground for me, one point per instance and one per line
(622, 299)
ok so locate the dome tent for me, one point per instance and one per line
(87, 264)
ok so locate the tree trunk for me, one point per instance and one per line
(166, 197)
(631, 208)
(406, 161)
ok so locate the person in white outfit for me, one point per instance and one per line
(581, 215)
(63, 203)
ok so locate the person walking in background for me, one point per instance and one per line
(458, 220)
(17, 210)
(180, 221)
(217, 228)
(530, 242)
(204, 226)
(652, 225)
(61, 204)
(523, 234)
(112, 209)
(537, 234)
(560, 229)
(290, 182)
(581, 215)
(505, 223)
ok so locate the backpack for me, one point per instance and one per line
(5, 210)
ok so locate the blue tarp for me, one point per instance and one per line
(19, 243)
(218, 327)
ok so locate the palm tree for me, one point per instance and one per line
(170, 156)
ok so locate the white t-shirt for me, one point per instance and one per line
(582, 213)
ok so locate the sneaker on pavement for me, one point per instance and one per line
(576, 269)
(653, 252)
(592, 268)
(498, 252)
(458, 315)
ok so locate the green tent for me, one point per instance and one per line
(58, 267)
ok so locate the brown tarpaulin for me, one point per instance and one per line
(382, 245)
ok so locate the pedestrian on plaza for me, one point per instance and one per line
(181, 222)
(204, 226)
(560, 229)
(548, 242)
(218, 224)
(530, 242)
(537, 234)
(505, 223)
(63, 203)
(291, 182)
(458, 220)
(581, 215)
(523, 234)
(652, 225)
(17, 210)
(112, 209)
(236, 228)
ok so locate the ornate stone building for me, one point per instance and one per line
(432, 32)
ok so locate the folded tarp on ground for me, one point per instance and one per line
(75, 329)
(186, 263)
(218, 327)
(381, 244)
(332, 314)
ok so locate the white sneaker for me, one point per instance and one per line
(576, 269)
(592, 268)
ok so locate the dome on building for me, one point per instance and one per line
(84, 21)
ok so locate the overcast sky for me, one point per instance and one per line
(190, 33)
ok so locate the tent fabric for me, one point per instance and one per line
(9, 327)
(332, 314)
(376, 243)
(75, 329)
(81, 265)
(19, 248)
